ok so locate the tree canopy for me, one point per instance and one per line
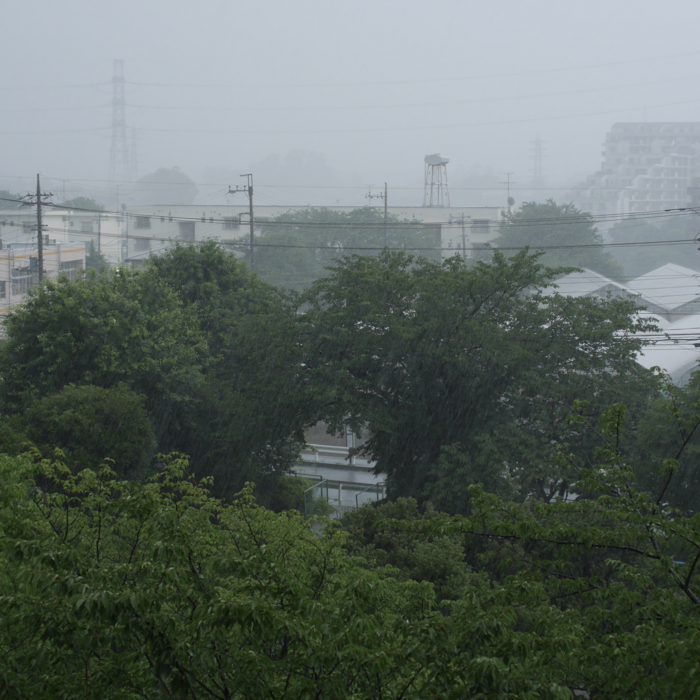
(91, 425)
(465, 373)
(8, 200)
(83, 203)
(640, 259)
(212, 347)
(121, 589)
(540, 540)
(166, 186)
(296, 248)
(566, 235)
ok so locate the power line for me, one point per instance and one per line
(408, 224)
(485, 76)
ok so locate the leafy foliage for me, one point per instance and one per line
(122, 590)
(8, 200)
(295, 249)
(255, 406)
(83, 203)
(90, 425)
(567, 236)
(103, 330)
(465, 373)
(640, 259)
(94, 260)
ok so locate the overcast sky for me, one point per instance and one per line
(312, 93)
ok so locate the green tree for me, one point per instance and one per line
(617, 561)
(103, 330)
(640, 259)
(257, 401)
(93, 259)
(8, 200)
(122, 590)
(83, 203)
(669, 429)
(90, 425)
(390, 534)
(567, 236)
(166, 186)
(465, 374)
(296, 248)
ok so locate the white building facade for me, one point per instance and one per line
(19, 269)
(646, 167)
(153, 228)
(66, 227)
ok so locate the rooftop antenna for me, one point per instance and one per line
(435, 190)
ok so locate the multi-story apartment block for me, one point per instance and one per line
(646, 167)
(19, 269)
(66, 227)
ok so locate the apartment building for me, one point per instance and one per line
(19, 269)
(646, 167)
(66, 227)
(153, 228)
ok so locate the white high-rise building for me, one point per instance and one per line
(646, 167)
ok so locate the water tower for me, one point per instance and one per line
(435, 192)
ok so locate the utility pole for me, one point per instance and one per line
(38, 200)
(462, 220)
(99, 231)
(508, 183)
(385, 197)
(248, 189)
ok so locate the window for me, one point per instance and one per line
(27, 226)
(143, 244)
(86, 226)
(21, 280)
(480, 226)
(143, 222)
(71, 268)
(230, 223)
(186, 230)
(3, 290)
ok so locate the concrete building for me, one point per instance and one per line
(646, 167)
(19, 269)
(67, 227)
(153, 228)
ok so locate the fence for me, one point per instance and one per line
(335, 498)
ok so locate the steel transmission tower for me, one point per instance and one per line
(435, 191)
(119, 152)
(537, 172)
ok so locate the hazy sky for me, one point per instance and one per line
(357, 92)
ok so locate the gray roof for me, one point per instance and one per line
(668, 286)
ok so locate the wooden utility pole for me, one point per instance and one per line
(248, 189)
(38, 200)
(39, 230)
(385, 197)
(462, 220)
(386, 201)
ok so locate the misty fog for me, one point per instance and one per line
(321, 100)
